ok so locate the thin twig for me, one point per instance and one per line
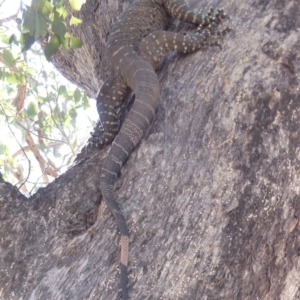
(29, 163)
(42, 136)
(38, 180)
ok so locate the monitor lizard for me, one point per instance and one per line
(136, 44)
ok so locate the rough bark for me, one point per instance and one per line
(211, 195)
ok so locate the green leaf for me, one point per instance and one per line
(77, 95)
(11, 161)
(13, 39)
(8, 57)
(58, 25)
(32, 109)
(15, 78)
(73, 113)
(41, 26)
(5, 39)
(56, 112)
(75, 42)
(29, 23)
(62, 90)
(59, 3)
(45, 8)
(75, 21)
(76, 4)
(52, 47)
(41, 99)
(62, 11)
(41, 119)
(3, 149)
(65, 42)
(34, 22)
(73, 122)
(85, 102)
(27, 41)
(63, 116)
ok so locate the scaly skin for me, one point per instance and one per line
(136, 44)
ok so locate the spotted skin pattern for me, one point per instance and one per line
(136, 44)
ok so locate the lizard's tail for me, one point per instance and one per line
(141, 78)
(108, 195)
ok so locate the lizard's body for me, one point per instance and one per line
(136, 44)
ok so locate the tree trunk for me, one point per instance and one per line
(211, 195)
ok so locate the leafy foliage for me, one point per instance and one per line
(45, 19)
(40, 112)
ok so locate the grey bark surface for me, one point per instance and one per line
(211, 196)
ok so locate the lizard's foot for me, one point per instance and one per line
(99, 137)
(96, 139)
(208, 29)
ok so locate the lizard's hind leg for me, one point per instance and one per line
(111, 95)
(156, 45)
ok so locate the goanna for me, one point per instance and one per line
(136, 44)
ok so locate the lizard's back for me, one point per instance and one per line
(137, 22)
